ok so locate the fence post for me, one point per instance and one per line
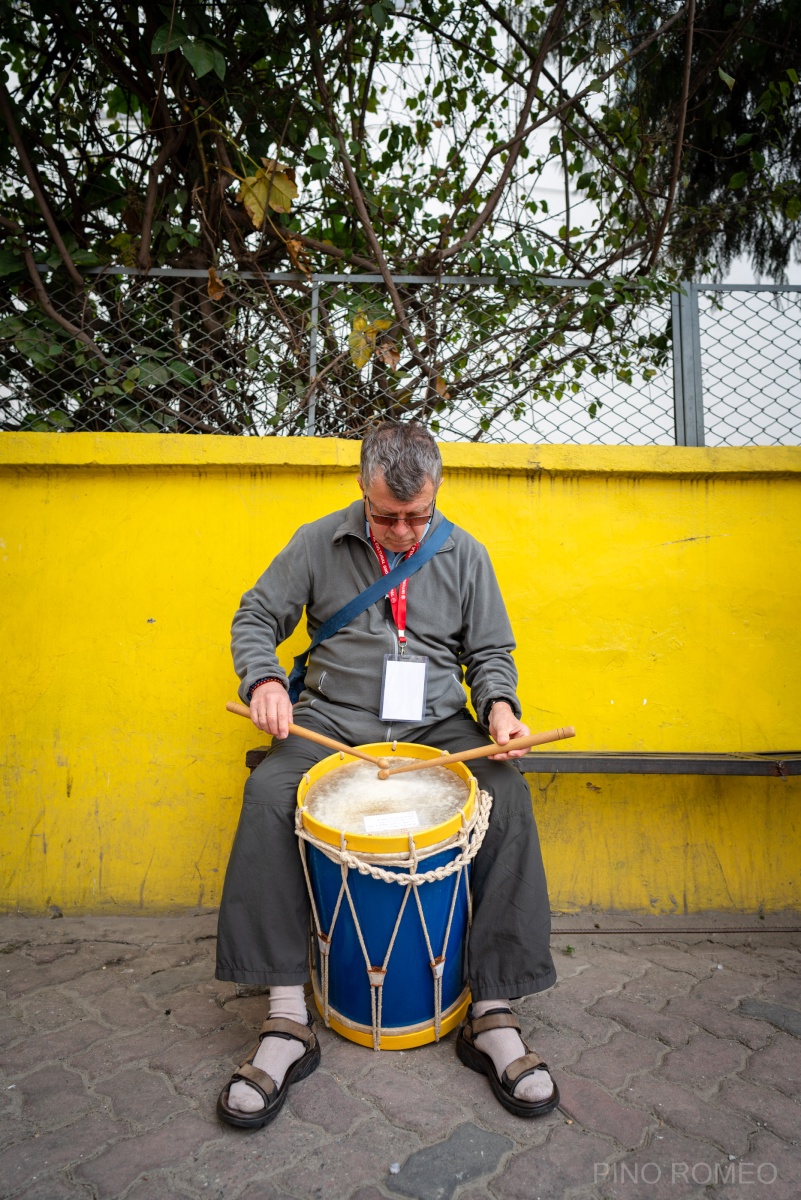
(311, 415)
(688, 398)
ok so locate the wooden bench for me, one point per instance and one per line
(642, 762)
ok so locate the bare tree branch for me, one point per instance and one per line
(36, 187)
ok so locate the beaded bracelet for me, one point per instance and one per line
(266, 679)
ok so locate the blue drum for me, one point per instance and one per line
(388, 870)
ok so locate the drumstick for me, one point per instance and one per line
(242, 710)
(521, 743)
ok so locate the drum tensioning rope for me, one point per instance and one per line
(469, 838)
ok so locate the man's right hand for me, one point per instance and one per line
(271, 708)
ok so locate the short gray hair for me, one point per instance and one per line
(406, 455)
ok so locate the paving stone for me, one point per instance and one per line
(12, 1128)
(658, 984)
(690, 1114)
(560, 1014)
(337, 1168)
(676, 958)
(265, 1191)
(662, 1170)
(93, 983)
(124, 1009)
(37, 1156)
(341, 1056)
(156, 1186)
(726, 988)
(323, 1101)
(767, 1160)
(51, 1009)
(721, 1022)
(169, 1145)
(175, 979)
(142, 1097)
(590, 985)
(235, 1158)
(567, 1159)
(732, 958)
(251, 1010)
(764, 1105)
(559, 1048)
(52, 1096)
(407, 1101)
(435, 1172)
(623, 1055)
(785, 991)
(52, 1047)
(228, 1047)
(788, 1019)
(49, 953)
(703, 1062)
(599, 956)
(642, 1019)
(777, 1065)
(596, 1110)
(197, 1011)
(54, 1187)
(104, 1058)
(11, 1029)
(19, 976)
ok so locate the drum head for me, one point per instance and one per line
(353, 799)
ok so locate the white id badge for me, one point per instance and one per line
(403, 688)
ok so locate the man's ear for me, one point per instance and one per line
(361, 485)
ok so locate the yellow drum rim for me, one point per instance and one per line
(392, 1040)
(364, 843)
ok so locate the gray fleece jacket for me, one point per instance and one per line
(455, 616)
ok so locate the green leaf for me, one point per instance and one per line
(165, 39)
(319, 153)
(738, 180)
(792, 209)
(727, 79)
(200, 57)
(10, 262)
(219, 64)
(792, 75)
(744, 139)
(379, 15)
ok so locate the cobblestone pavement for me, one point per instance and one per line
(678, 1056)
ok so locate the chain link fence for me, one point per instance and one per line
(476, 359)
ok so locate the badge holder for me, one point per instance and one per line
(403, 688)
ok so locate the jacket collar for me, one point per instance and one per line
(353, 525)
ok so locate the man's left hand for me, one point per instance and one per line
(503, 726)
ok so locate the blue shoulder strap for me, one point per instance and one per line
(360, 603)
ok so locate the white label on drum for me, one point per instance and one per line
(386, 821)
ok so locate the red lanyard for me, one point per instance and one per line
(397, 596)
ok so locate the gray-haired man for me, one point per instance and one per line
(456, 618)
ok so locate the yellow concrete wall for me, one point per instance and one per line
(655, 593)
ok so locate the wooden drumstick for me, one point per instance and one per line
(521, 743)
(242, 710)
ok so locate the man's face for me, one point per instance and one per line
(400, 535)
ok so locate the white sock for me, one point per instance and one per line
(504, 1046)
(275, 1055)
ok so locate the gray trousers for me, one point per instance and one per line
(263, 929)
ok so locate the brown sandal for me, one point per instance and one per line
(503, 1086)
(263, 1083)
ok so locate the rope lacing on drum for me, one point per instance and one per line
(469, 840)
